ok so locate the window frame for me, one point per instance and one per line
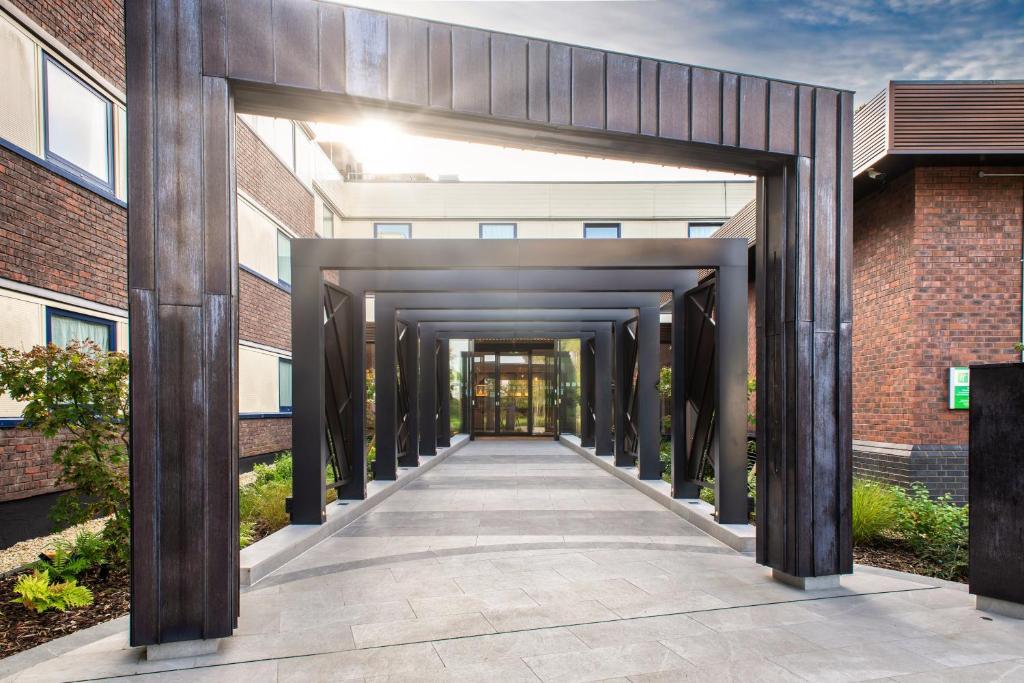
(282, 408)
(111, 325)
(288, 238)
(617, 226)
(515, 230)
(703, 224)
(376, 229)
(57, 159)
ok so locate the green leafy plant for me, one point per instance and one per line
(936, 530)
(79, 393)
(874, 509)
(37, 591)
(68, 559)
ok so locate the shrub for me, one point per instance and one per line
(874, 509)
(68, 560)
(261, 504)
(81, 391)
(936, 530)
(36, 591)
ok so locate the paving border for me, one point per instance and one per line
(273, 552)
(739, 537)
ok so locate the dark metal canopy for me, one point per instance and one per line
(191, 63)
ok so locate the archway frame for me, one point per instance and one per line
(191, 63)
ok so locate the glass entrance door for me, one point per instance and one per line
(513, 393)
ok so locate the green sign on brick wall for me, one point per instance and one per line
(959, 388)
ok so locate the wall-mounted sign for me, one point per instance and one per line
(959, 388)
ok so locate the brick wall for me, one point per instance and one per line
(256, 437)
(937, 283)
(28, 467)
(93, 29)
(264, 312)
(57, 235)
(262, 175)
(967, 272)
(884, 331)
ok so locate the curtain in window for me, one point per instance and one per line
(64, 330)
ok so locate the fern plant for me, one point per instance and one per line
(68, 560)
(37, 591)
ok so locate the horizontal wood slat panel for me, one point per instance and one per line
(956, 117)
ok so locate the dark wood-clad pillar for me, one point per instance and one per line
(183, 286)
(619, 333)
(804, 314)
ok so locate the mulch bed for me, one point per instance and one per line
(893, 555)
(22, 628)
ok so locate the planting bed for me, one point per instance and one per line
(22, 628)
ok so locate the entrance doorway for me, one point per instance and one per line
(512, 391)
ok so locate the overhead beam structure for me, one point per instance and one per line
(192, 64)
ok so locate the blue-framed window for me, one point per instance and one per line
(284, 259)
(703, 229)
(498, 231)
(284, 385)
(392, 231)
(78, 126)
(602, 231)
(64, 327)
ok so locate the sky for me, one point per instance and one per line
(853, 44)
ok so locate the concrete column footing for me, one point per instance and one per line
(807, 583)
(182, 649)
(997, 606)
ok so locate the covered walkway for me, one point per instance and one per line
(516, 559)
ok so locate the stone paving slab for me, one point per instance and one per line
(519, 560)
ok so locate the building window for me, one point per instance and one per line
(77, 126)
(327, 223)
(64, 327)
(392, 231)
(702, 229)
(497, 231)
(284, 258)
(602, 231)
(284, 385)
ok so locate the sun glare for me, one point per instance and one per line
(384, 147)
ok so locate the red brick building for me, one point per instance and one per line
(937, 281)
(63, 250)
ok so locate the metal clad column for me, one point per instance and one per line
(428, 392)
(182, 302)
(411, 350)
(603, 368)
(731, 402)
(444, 374)
(619, 390)
(309, 409)
(648, 339)
(386, 381)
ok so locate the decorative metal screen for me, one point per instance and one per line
(338, 392)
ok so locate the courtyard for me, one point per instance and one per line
(519, 560)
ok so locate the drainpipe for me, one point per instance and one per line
(983, 174)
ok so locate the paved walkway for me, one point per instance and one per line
(518, 560)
